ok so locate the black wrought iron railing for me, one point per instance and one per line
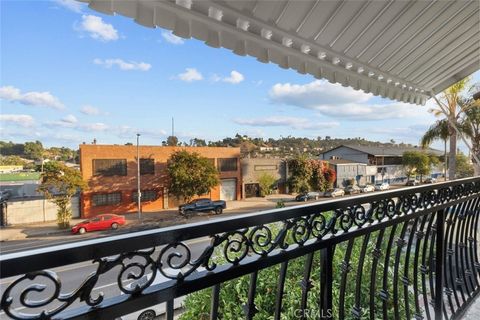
(402, 254)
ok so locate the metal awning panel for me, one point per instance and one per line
(401, 50)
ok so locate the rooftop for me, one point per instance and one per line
(388, 151)
(342, 161)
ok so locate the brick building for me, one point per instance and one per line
(111, 174)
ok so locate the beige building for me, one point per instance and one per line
(253, 168)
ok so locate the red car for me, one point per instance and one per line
(100, 222)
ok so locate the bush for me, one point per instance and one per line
(234, 293)
(266, 182)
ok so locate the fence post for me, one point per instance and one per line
(326, 282)
(439, 264)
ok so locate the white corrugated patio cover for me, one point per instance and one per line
(397, 49)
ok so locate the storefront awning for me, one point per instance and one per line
(401, 50)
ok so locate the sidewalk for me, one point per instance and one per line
(150, 220)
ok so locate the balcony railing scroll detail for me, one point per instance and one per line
(411, 243)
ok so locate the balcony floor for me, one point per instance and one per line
(473, 313)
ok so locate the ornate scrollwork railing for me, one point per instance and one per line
(240, 245)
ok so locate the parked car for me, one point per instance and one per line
(337, 192)
(202, 205)
(430, 180)
(100, 222)
(305, 196)
(382, 186)
(367, 188)
(414, 182)
(5, 195)
(153, 311)
(352, 190)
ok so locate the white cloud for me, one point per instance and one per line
(123, 65)
(90, 110)
(128, 132)
(355, 111)
(190, 74)
(171, 38)
(234, 78)
(22, 120)
(70, 119)
(93, 127)
(283, 121)
(318, 92)
(336, 101)
(32, 98)
(71, 5)
(98, 29)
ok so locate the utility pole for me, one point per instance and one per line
(139, 193)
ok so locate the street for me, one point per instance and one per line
(72, 276)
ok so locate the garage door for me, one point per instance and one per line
(228, 189)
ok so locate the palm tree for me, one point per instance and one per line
(452, 110)
(471, 128)
(439, 130)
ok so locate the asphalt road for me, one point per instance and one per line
(72, 276)
(41, 242)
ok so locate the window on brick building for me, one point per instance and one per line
(147, 166)
(227, 164)
(109, 167)
(106, 199)
(147, 195)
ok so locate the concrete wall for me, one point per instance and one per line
(347, 172)
(23, 211)
(22, 189)
(253, 168)
(347, 154)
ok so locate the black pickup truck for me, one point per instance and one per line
(202, 205)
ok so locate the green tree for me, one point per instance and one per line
(59, 184)
(12, 161)
(300, 174)
(196, 142)
(190, 175)
(471, 128)
(317, 179)
(267, 183)
(439, 130)
(172, 141)
(448, 106)
(34, 150)
(10, 148)
(464, 167)
(416, 163)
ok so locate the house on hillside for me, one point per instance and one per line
(382, 163)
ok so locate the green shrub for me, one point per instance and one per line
(266, 182)
(234, 293)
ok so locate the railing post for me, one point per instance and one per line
(326, 282)
(439, 263)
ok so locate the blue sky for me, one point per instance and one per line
(70, 74)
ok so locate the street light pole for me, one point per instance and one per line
(139, 193)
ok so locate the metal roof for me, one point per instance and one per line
(402, 50)
(387, 151)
